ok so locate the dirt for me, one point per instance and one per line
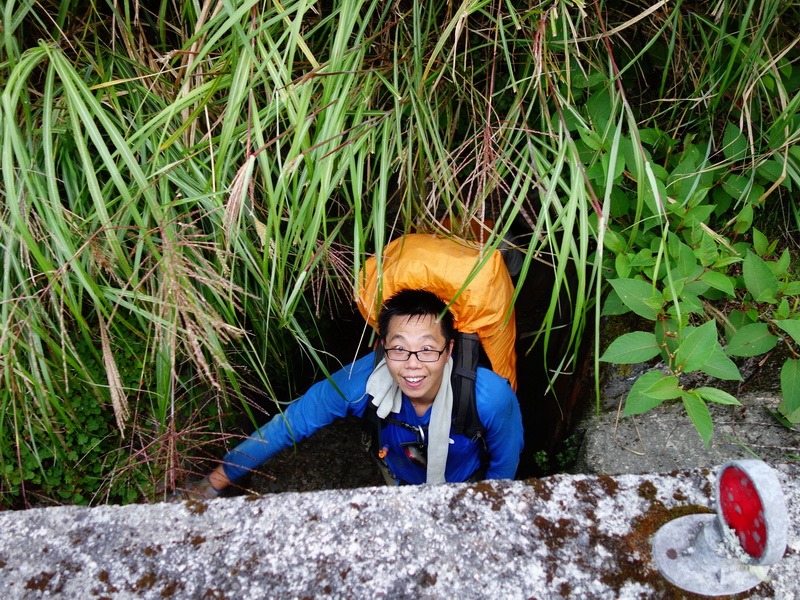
(332, 458)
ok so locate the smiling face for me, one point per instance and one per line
(419, 381)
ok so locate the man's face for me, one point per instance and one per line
(418, 380)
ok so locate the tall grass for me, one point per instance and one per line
(186, 183)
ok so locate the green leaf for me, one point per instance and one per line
(614, 242)
(696, 347)
(790, 388)
(744, 220)
(771, 170)
(734, 144)
(718, 396)
(781, 267)
(638, 296)
(783, 311)
(719, 281)
(631, 348)
(760, 243)
(759, 279)
(792, 327)
(636, 402)
(689, 303)
(720, 366)
(752, 340)
(622, 263)
(699, 415)
(792, 288)
(613, 305)
(736, 186)
(666, 388)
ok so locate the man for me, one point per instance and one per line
(411, 391)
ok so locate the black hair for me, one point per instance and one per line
(416, 303)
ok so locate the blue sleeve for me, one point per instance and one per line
(327, 400)
(500, 414)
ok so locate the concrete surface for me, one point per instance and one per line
(566, 536)
(664, 439)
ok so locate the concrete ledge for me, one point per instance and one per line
(571, 536)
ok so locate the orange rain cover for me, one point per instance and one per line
(442, 266)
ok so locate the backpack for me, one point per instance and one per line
(481, 304)
(477, 285)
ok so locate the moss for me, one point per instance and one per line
(41, 582)
(609, 484)
(648, 491)
(196, 507)
(107, 587)
(491, 493)
(427, 579)
(541, 488)
(145, 582)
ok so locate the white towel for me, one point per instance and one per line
(387, 397)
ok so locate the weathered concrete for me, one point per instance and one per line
(571, 536)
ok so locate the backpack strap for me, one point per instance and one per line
(465, 370)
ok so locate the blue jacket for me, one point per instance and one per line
(345, 395)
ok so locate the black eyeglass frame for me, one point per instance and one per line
(415, 353)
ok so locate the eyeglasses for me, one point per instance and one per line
(428, 356)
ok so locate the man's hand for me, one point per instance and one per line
(197, 490)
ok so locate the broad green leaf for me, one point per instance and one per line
(771, 170)
(706, 249)
(698, 214)
(592, 139)
(622, 263)
(759, 279)
(637, 403)
(689, 303)
(699, 415)
(783, 311)
(686, 264)
(752, 340)
(696, 348)
(613, 305)
(792, 288)
(781, 267)
(790, 388)
(727, 261)
(719, 281)
(631, 348)
(666, 388)
(792, 327)
(736, 186)
(720, 366)
(711, 394)
(614, 242)
(638, 296)
(734, 144)
(744, 220)
(760, 243)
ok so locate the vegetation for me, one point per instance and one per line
(188, 186)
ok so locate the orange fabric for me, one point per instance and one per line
(442, 266)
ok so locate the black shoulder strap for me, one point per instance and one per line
(465, 368)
